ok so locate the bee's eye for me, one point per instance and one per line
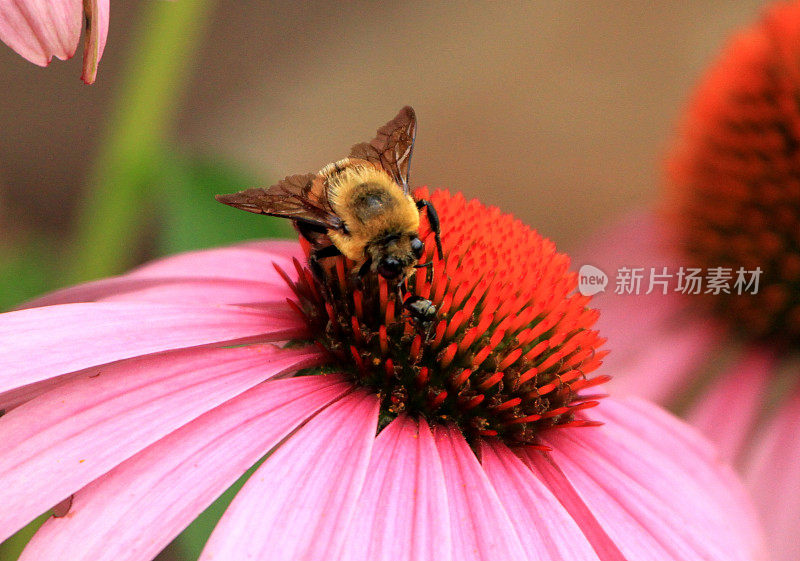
(417, 247)
(390, 268)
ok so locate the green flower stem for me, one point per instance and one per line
(12, 548)
(121, 183)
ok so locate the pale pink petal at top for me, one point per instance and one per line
(41, 343)
(728, 412)
(41, 29)
(169, 290)
(254, 261)
(648, 503)
(402, 514)
(238, 274)
(773, 475)
(136, 509)
(58, 442)
(539, 518)
(299, 502)
(480, 525)
(94, 42)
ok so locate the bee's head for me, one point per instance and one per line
(390, 267)
(395, 255)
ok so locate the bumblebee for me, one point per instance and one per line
(360, 207)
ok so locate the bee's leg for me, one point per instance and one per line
(433, 219)
(321, 253)
(429, 266)
(358, 274)
(364, 268)
(400, 291)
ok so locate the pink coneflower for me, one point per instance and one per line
(133, 402)
(42, 29)
(727, 354)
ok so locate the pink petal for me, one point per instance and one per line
(252, 261)
(548, 472)
(299, 503)
(640, 421)
(41, 343)
(41, 29)
(627, 319)
(233, 275)
(16, 397)
(62, 440)
(659, 372)
(773, 476)
(169, 290)
(402, 512)
(540, 520)
(134, 510)
(481, 527)
(94, 42)
(647, 502)
(654, 424)
(741, 388)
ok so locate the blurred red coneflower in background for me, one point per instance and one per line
(42, 29)
(727, 352)
(135, 401)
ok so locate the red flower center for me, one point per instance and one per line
(735, 177)
(511, 345)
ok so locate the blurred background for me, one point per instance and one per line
(556, 111)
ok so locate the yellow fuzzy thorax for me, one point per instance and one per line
(392, 211)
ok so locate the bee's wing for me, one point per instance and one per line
(298, 197)
(392, 146)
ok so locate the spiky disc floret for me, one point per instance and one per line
(735, 175)
(512, 343)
